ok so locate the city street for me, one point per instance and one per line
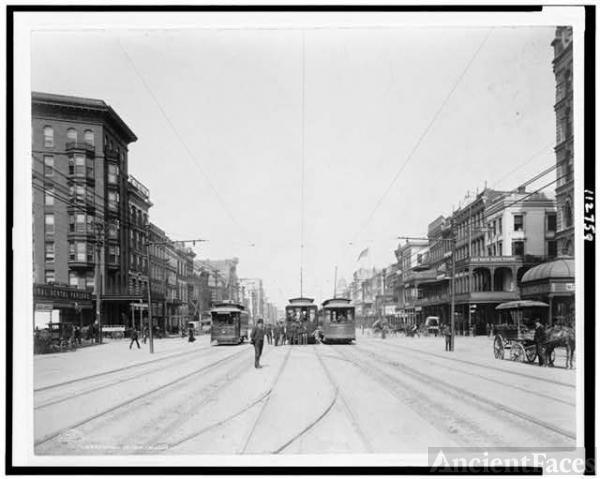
(398, 395)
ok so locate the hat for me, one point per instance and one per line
(259, 321)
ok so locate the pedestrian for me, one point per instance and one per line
(91, 333)
(276, 333)
(134, 337)
(191, 338)
(145, 334)
(269, 334)
(448, 337)
(78, 335)
(540, 338)
(257, 338)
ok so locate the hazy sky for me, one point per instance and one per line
(235, 100)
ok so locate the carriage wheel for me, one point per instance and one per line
(498, 347)
(531, 353)
(517, 353)
(552, 356)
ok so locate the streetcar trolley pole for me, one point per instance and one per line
(148, 244)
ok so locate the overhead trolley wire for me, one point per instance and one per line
(179, 137)
(424, 134)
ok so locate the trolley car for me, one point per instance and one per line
(229, 323)
(338, 321)
(301, 318)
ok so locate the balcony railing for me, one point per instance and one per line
(77, 145)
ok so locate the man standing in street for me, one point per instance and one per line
(540, 338)
(134, 337)
(257, 337)
(448, 336)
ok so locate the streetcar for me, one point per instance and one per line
(338, 318)
(229, 323)
(301, 319)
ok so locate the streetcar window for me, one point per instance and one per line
(224, 319)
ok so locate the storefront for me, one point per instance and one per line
(553, 283)
(53, 304)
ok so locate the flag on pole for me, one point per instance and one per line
(363, 253)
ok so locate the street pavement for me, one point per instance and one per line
(398, 395)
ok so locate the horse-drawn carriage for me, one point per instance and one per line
(517, 334)
(56, 337)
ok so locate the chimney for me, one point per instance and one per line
(521, 189)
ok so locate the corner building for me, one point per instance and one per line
(80, 170)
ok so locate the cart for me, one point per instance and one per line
(515, 336)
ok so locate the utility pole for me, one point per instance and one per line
(150, 323)
(335, 283)
(99, 227)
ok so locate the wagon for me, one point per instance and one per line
(514, 336)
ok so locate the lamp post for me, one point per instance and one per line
(99, 227)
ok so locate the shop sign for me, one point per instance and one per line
(45, 291)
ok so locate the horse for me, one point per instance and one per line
(557, 336)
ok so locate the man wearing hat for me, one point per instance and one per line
(257, 337)
(540, 338)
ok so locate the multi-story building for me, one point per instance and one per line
(254, 297)
(563, 72)
(498, 237)
(80, 171)
(412, 257)
(158, 272)
(138, 205)
(225, 273)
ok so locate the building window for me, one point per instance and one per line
(72, 135)
(499, 248)
(552, 248)
(113, 200)
(568, 123)
(49, 251)
(49, 276)
(73, 279)
(88, 137)
(568, 214)
(89, 280)
(113, 172)
(113, 254)
(49, 195)
(49, 222)
(48, 136)
(113, 229)
(518, 248)
(552, 222)
(48, 165)
(499, 225)
(518, 222)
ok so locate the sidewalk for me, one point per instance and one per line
(111, 354)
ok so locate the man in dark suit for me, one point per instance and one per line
(540, 338)
(257, 337)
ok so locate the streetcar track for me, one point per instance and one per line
(53, 435)
(457, 424)
(495, 381)
(472, 396)
(111, 371)
(173, 425)
(338, 395)
(266, 401)
(483, 366)
(116, 382)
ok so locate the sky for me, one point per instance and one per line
(259, 140)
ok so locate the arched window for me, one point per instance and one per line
(88, 137)
(72, 134)
(48, 136)
(568, 214)
(568, 124)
